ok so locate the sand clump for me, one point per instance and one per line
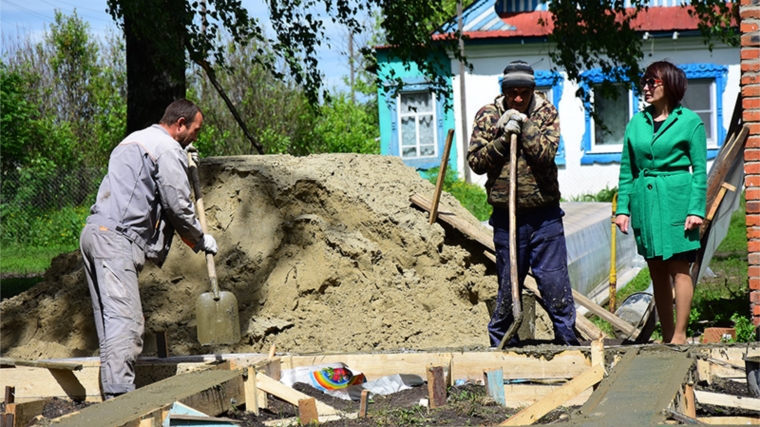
(324, 253)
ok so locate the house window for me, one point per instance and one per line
(615, 112)
(706, 85)
(417, 131)
(700, 99)
(418, 125)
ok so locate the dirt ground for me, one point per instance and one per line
(466, 405)
(324, 253)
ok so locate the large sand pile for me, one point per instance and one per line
(324, 253)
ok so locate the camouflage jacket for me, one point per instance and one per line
(537, 184)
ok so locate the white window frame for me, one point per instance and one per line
(416, 115)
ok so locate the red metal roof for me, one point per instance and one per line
(654, 19)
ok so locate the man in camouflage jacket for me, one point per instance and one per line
(540, 233)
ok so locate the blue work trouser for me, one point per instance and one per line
(111, 264)
(540, 247)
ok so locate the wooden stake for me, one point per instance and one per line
(251, 391)
(436, 386)
(307, 411)
(272, 350)
(441, 175)
(10, 395)
(363, 404)
(688, 394)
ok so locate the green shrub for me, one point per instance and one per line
(472, 196)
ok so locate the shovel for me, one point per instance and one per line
(216, 312)
(516, 303)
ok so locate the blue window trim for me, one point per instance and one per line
(693, 71)
(556, 82)
(416, 84)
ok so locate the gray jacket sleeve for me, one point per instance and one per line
(174, 191)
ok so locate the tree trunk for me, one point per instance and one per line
(155, 61)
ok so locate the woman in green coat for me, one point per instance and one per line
(662, 191)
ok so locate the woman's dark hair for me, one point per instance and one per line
(674, 81)
(179, 109)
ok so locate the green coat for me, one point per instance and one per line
(657, 189)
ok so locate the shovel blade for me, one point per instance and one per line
(217, 320)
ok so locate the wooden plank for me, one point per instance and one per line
(441, 176)
(210, 391)
(470, 230)
(465, 365)
(610, 318)
(718, 399)
(730, 421)
(41, 364)
(494, 381)
(436, 386)
(518, 396)
(578, 384)
(289, 394)
(307, 411)
(363, 401)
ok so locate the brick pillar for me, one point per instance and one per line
(750, 88)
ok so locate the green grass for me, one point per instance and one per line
(24, 260)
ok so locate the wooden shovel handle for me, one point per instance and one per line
(516, 303)
(202, 218)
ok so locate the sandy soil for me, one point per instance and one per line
(324, 253)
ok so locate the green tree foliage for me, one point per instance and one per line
(344, 127)
(63, 110)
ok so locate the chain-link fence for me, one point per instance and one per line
(45, 207)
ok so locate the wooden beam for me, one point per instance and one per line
(6, 361)
(610, 318)
(730, 421)
(465, 365)
(719, 399)
(470, 230)
(519, 396)
(290, 395)
(578, 384)
(211, 392)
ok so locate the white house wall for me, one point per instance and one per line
(575, 179)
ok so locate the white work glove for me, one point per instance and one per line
(193, 154)
(511, 121)
(207, 244)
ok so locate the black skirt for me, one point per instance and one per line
(689, 256)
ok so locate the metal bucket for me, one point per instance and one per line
(638, 310)
(752, 366)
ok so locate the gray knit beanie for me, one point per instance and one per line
(518, 74)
